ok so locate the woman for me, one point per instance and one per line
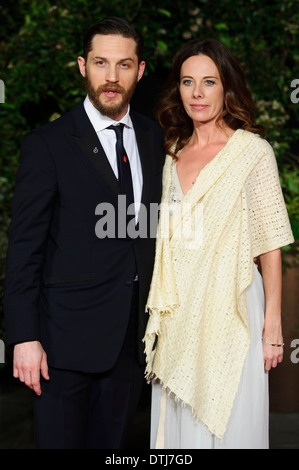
(215, 324)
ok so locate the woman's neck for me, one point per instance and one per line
(205, 134)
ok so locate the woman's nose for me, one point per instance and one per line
(198, 92)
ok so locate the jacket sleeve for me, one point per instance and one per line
(33, 203)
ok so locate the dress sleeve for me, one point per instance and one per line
(268, 218)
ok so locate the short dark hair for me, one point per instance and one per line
(113, 25)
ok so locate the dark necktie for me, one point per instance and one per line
(123, 164)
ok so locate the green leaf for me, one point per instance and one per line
(164, 12)
(162, 45)
(221, 26)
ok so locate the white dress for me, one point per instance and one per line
(248, 424)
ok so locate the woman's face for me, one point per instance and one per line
(201, 89)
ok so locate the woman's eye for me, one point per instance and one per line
(187, 82)
(210, 82)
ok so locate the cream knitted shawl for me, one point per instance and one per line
(197, 300)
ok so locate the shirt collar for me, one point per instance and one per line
(101, 122)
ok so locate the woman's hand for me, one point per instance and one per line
(272, 348)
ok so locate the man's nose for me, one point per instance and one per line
(111, 74)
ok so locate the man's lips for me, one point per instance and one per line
(111, 92)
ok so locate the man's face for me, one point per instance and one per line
(111, 72)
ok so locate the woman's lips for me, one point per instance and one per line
(199, 107)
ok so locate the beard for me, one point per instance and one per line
(109, 110)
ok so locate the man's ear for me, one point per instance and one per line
(141, 68)
(82, 66)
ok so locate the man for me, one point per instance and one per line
(74, 298)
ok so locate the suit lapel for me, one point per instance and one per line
(87, 146)
(92, 149)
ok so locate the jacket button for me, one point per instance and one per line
(129, 283)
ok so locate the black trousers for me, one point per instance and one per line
(91, 411)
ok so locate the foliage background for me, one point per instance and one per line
(41, 39)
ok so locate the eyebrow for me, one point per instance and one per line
(121, 60)
(208, 76)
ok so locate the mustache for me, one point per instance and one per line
(116, 88)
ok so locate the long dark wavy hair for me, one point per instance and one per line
(238, 109)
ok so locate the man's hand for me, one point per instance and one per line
(30, 360)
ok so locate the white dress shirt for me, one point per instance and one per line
(107, 138)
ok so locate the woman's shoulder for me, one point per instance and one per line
(260, 143)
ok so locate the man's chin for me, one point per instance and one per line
(109, 110)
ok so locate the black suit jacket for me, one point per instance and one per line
(65, 286)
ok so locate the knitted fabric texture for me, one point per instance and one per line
(198, 336)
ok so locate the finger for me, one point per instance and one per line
(274, 363)
(267, 365)
(16, 368)
(26, 373)
(280, 358)
(280, 354)
(19, 374)
(44, 368)
(15, 372)
(35, 382)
